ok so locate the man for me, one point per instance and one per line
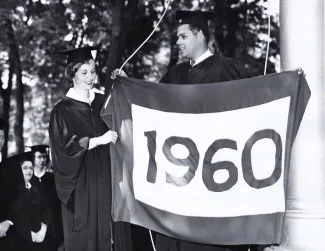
(44, 181)
(6, 195)
(41, 159)
(201, 67)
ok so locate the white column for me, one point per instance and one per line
(302, 45)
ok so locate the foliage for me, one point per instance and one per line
(43, 27)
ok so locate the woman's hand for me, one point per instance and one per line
(118, 72)
(40, 235)
(108, 137)
(4, 226)
(33, 236)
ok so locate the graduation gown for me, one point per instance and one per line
(27, 212)
(213, 69)
(46, 184)
(7, 196)
(83, 178)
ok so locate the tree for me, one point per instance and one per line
(238, 32)
(41, 28)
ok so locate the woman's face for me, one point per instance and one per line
(28, 170)
(85, 76)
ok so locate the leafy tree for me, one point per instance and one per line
(33, 30)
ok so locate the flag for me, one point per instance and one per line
(206, 163)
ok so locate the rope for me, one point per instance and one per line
(266, 59)
(152, 242)
(166, 9)
(269, 36)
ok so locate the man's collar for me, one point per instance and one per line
(74, 95)
(39, 175)
(204, 56)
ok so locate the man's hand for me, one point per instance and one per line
(4, 226)
(118, 72)
(301, 71)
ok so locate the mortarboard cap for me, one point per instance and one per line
(13, 168)
(39, 148)
(20, 157)
(196, 18)
(78, 55)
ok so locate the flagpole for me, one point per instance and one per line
(302, 45)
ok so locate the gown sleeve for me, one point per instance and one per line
(233, 70)
(4, 198)
(166, 78)
(18, 214)
(11, 178)
(68, 154)
(46, 211)
(107, 111)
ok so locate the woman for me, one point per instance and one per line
(44, 181)
(29, 213)
(79, 142)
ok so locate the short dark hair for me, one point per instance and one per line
(73, 67)
(41, 152)
(21, 162)
(195, 29)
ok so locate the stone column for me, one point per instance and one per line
(302, 45)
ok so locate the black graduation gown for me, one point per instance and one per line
(215, 68)
(46, 184)
(27, 212)
(10, 176)
(7, 196)
(83, 178)
(140, 239)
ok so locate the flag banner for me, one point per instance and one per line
(206, 163)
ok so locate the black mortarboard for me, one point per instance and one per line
(79, 55)
(39, 148)
(21, 157)
(196, 18)
(13, 168)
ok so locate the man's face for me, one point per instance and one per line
(40, 159)
(187, 41)
(2, 139)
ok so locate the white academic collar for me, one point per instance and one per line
(74, 95)
(40, 175)
(204, 56)
(0, 157)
